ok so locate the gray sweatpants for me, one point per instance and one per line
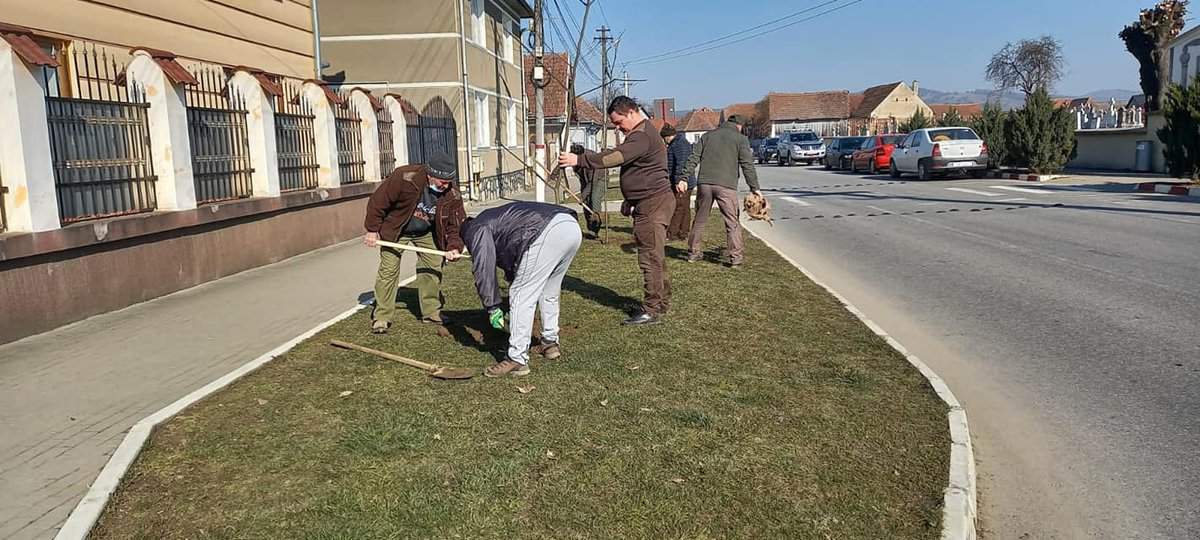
(538, 282)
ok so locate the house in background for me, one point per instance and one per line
(664, 108)
(462, 70)
(881, 109)
(1184, 54)
(968, 111)
(586, 120)
(825, 113)
(697, 123)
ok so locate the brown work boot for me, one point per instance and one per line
(550, 350)
(437, 319)
(380, 327)
(507, 367)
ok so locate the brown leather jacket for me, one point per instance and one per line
(395, 200)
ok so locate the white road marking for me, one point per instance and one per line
(878, 208)
(1014, 199)
(974, 192)
(1024, 190)
(797, 200)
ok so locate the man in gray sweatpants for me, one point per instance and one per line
(534, 244)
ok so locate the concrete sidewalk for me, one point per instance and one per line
(68, 396)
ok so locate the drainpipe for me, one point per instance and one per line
(316, 23)
(462, 58)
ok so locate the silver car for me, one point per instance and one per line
(803, 146)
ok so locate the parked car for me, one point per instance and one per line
(803, 146)
(769, 151)
(839, 150)
(875, 154)
(926, 152)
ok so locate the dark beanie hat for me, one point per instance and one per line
(737, 119)
(667, 131)
(441, 165)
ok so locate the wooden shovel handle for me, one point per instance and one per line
(407, 247)
(396, 358)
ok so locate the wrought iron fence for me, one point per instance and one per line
(387, 147)
(294, 138)
(219, 140)
(99, 136)
(3, 214)
(348, 124)
(497, 186)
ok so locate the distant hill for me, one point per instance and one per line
(1011, 99)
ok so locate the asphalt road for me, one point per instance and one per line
(1066, 318)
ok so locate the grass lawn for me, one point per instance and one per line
(761, 409)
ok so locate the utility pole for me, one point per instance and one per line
(539, 84)
(625, 77)
(605, 78)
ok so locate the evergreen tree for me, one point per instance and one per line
(1042, 136)
(990, 125)
(918, 121)
(1181, 134)
(951, 119)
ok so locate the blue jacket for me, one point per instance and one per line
(678, 153)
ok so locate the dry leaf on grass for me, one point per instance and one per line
(604, 403)
(678, 480)
(345, 393)
(550, 454)
(437, 436)
(526, 389)
(643, 409)
(262, 401)
(633, 368)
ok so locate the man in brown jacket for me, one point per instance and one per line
(417, 205)
(648, 196)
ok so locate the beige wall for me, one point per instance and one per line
(1114, 150)
(274, 35)
(901, 104)
(367, 17)
(396, 61)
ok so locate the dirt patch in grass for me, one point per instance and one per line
(761, 409)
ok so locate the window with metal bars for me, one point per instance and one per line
(294, 139)
(387, 147)
(99, 135)
(219, 139)
(348, 124)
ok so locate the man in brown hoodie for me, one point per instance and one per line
(648, 196)
(417, 205)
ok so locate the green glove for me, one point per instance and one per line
(496, 316)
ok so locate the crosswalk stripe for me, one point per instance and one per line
(1024, 190)
(974, 192)
(797, 201)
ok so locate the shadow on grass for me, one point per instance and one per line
(601, 295)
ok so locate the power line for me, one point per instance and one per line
(689, 51)
(740, 33)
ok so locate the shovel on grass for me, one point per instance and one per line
(435, 371)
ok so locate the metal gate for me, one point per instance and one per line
(438, 131)
(387, 148)
(348, 125)
(99, 137)
(294, 139)
(219, 140)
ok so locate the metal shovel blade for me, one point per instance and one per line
(451, 373)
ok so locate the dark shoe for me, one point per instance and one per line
(507, 367)
(642, 319)
(380, 327)
(550, 350)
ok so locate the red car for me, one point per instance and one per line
(875, 154)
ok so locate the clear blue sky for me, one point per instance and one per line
(943, 43)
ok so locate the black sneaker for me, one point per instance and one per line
(642, 319)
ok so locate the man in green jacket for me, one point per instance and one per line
(719, 154)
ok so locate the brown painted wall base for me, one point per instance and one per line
(43, 291)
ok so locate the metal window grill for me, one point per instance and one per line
(294, 138)
(387, 149)
(219, 140)
(99, 136)
(435, 131)
(348, 124)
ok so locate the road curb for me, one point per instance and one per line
(79, 524)
(1024, 177)
(1170, 188)
(959, 500)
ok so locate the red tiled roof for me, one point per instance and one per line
(809, 106)
(1063, 102)
(586, 112)
(658, 123)
(871, 99)
(966, 110)
(747, 110)
(20, 38)
(702, 119)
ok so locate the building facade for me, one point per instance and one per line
(457, 62)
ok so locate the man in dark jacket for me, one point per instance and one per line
(720, 153)
(417, 205)
(648, 196)
(678, 152)
(591, 191)
(534, 244)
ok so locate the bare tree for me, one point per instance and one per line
(1027, 65)
(1147, 40)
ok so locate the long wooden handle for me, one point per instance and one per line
(406, 361)
(407, 247)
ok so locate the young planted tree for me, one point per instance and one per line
(1181, 134)
(991, 126)
(951, 119)
(1027, 65)
(1147, 40)
(1041, 135)
(917, 121)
